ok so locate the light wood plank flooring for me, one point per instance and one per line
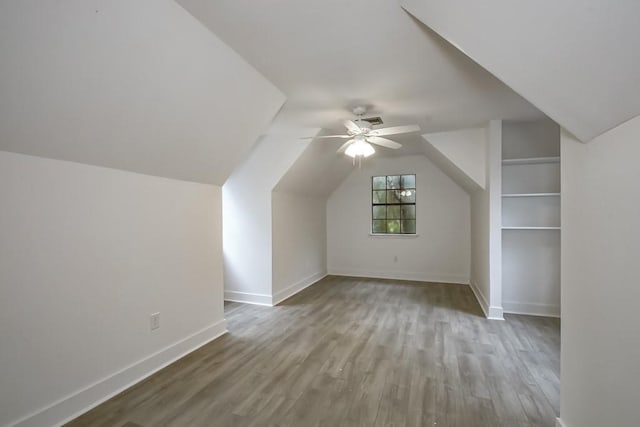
(357, 352)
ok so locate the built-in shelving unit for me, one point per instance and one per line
(531, 218)
(530, 161)
(532, 195)
(530, 228)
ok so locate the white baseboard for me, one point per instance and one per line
(282, 295)
(546, 310)
(248, 298)
(83, 400)
(559, 423)
(400, 275)
(490, 312)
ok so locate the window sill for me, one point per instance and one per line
(394, 236)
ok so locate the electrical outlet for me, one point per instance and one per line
(155, 321)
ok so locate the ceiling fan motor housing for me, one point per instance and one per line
(359, 110)
(364, 126)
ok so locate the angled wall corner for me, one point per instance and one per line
(247, 215)
(299, 242)
(461, 154)
(553, 57)
(600, 270)
(139, 86)
(299, 217)
(473, 159)
(318, 171)
(486, 231)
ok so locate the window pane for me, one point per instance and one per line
(393, 226)
(408, 181)
(393, 209)
(379, 212)
(408, 212)
(379, 182)
(409, 196)
(393, 212)
(409, 226)
(379, 197)
(393, 181)
(379, 226)
(393, 196)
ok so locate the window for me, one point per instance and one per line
(393, 204)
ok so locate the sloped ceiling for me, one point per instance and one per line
(268, 161)
(576, 60)
(461, 154)
(329, 55)
(320, 169)
(317, 172)
(134, 85)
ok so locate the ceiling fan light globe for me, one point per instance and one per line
(368, 150)
(360, 148)
(351, 151)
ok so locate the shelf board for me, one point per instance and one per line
(529, 228)
(530, 161)
(531, 195)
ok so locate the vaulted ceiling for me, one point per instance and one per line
(576, 60)
(150, 87)
(329, 55)
(134, 85)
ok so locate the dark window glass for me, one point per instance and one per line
(379, 226)
(393, 226)
(409, 211)
(393, 204)
(379, 183)
(408, 181)
(393, 212)
(379, 197)
(409, 226)
(393, 196)
(379, 212)
(393, 181)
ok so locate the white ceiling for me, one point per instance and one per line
(577, 60)
(318, 171)
(134, 85)
(465, 151)
(143, 86)
(330, 55)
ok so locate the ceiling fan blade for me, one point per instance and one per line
(352, 126)
(395, 130)
(344, 146)
(326, 136)
(384, 142)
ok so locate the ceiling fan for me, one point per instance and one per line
(360, 136)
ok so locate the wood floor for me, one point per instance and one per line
(357, 352)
